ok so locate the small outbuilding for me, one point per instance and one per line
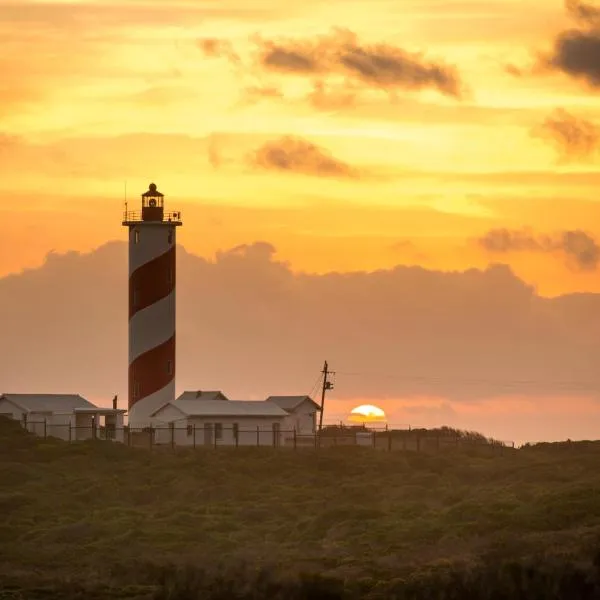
(187, 422)
(301, 413)
(65, 416)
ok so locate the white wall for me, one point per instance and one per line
(58, 426)
(83, 423)
(302, 420)
(161, 421)
(253, 431)
(9, 409)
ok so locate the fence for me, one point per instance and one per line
(192, 436)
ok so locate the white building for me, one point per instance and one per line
(187, 422)
(301, 413)
(65, 416)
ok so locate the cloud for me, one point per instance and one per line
(218, 48)
(574, 138)
(507, 240)
(581, 250)
(582, 11)
(296, 155)
(249, 325)
(576, 52)
(380, 66)
(581, 247)
(340, 62)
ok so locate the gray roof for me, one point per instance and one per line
(289, 403)
(48, 402)
(232, 408)
(202, 395)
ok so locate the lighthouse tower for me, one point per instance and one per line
(151, 306)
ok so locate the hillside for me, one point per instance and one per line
(102, 520)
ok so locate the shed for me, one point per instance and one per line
(301, 413)
(217, 422)
(66, 416)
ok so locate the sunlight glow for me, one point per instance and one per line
(367, 413)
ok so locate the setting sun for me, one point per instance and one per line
(367, 412)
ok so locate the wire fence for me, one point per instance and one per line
(211, 435)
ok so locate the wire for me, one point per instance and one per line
(315, 387)
(564, 384)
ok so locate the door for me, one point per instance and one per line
(276, 433)
(208, 434)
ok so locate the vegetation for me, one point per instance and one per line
(100, 520)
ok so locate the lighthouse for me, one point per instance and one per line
(151, 306)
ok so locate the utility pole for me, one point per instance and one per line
(327, 385)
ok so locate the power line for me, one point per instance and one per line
(316, 385)
(564, 384)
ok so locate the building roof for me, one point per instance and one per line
(232, 408)
(202, 395)
(95, 410)
(56, 403)
(289, 403)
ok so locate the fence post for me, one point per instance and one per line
(257, 436)
(215, 436)
(70, 434)
(45, 428)
(236, 435)
(128, 429)
(389, 433)
(295, 441)
(194, 435)
(150, 432)
(173, 437)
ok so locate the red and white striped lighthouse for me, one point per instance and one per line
(151, 306)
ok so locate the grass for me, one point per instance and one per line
(102, 520)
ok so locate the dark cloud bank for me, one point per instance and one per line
(576, 52)
(343, 54)
(250, 326)
(580, 249)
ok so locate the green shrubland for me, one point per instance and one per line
(101, 520)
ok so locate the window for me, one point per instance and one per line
(136, 236)
(170, 367)
(218, 431)
(190, 430)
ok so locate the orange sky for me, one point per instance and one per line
(387, 168)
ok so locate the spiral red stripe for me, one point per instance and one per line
(152, 371)
(151, 282)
